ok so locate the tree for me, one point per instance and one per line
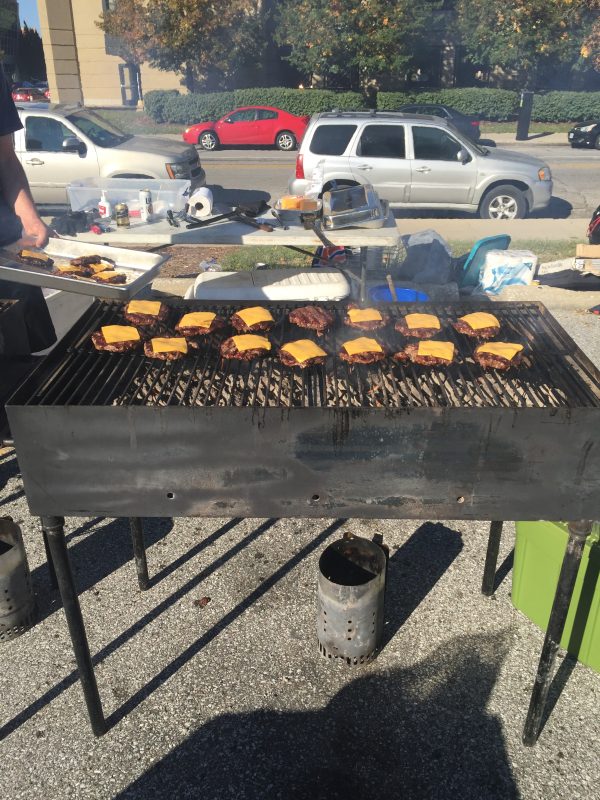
(590, 49)
(31, 63)
(520, 35)
(353, 41)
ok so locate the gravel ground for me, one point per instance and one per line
(232, 700)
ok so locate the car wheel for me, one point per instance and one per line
(597, 142)
(285, 141)
(208, 141)
(503, 202)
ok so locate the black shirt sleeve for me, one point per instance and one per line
(9, 117)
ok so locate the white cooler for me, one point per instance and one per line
(317, 284)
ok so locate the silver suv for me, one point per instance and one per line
(421, 162)
(60, 144)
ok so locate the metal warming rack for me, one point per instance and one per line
(382, 441)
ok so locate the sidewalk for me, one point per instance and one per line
(508, 138)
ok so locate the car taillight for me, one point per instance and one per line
(300, 166)
(475, 123)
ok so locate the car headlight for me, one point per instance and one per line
(544, 174)
(179, 169)
(588, 128)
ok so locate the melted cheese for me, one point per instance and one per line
(480, 320)
(149, 307)
(197, 319)
(99, 267)
(502, 349)
(105, 274)
(250, 342)
(422, 321)
(362, 345)
(120, 333)
(169, 345)
(33, 254)
(364, 315)
(443, 350)
(67, 268)
(303, 349)
(250, 316)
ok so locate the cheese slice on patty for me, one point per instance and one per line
(303, 349)
(362, 345)
(414, 321)
(364, 315)
(480, 320)
(197, 319)
(151, 308)
(113, 334)
(250, 342)
(443, 350)
(250, 316)
(169, 345)
(105, 274)
(99, 267)
(68, 268)
(503, 349)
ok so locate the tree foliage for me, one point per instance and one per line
(353, 42)
(590, 49)
(31, 63)
(520, 35)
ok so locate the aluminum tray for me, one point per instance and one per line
(139, 266)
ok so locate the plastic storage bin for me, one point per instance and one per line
(539, 551)
(168, 194)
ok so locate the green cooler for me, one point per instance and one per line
(539, 551)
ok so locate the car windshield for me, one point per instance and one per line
(101, 132)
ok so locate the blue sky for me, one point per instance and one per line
(29, 13)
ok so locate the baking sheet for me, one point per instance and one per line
(139, 267)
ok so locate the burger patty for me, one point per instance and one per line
(229, 350)
(312, 317)
(411, 353)
(361, 358)
(81, 272)
(147, 320)
(240, 326)
(118, 277)
(415, 333)
(100, 343)
(85, 261)
(170, 355)
(373, 325)
(289, 361)
(42, 262)
(217, 324)
(492, 361)
(481, 333)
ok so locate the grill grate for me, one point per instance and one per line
(554, 372)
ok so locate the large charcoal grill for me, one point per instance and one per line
(114, 434)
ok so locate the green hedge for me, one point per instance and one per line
(491, 104)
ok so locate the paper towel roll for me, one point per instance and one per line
(201, 203)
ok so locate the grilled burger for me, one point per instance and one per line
(147, 313)
(419, 326)
(480, 325)
(498, 355)
(302, 353)
(251, 320)
(427, 354)
(71, 271)
(88, 261)
(116, 339)
(109, 276)
(199, 323)
(312, 317)
(362, 351)
(365, 319)
(245, 347)
(170, 348)
(36, 259)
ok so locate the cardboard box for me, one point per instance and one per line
(587, 251)
(587, 258)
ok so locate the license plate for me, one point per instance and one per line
(571, 136)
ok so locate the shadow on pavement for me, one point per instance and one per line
(406, 734)
(557, 209)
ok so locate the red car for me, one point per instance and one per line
(249, 125)
(30, 94)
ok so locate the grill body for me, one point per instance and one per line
(473, 447)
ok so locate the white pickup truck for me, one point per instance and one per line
(59, 144)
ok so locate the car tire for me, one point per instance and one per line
(597, 142)
(286, 141)
(503, 202)
(208, 141)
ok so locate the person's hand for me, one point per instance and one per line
(38, 232)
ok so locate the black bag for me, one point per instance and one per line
(72, 222)
(593, 231)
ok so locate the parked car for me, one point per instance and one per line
(586, 134)
(59, 144)
(421, 162)
(28, 93)
(260, 125)
(467, 124)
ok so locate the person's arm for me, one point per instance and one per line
(15, 190)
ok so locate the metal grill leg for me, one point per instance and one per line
(578, 533)
(491, 558)
(54, 528)
(53, 581)
(139, 552)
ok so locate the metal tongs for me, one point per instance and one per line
(245, 214)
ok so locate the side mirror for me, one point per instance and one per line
(463, 156)
(72, 144)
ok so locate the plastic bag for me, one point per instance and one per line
(504, 268)
(210, 265)
(428, 258)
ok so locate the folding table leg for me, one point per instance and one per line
(53, 581)
(54, 528)
(139, 552)
(578, 533)
(491, 558)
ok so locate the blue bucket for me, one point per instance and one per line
(382, 294)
